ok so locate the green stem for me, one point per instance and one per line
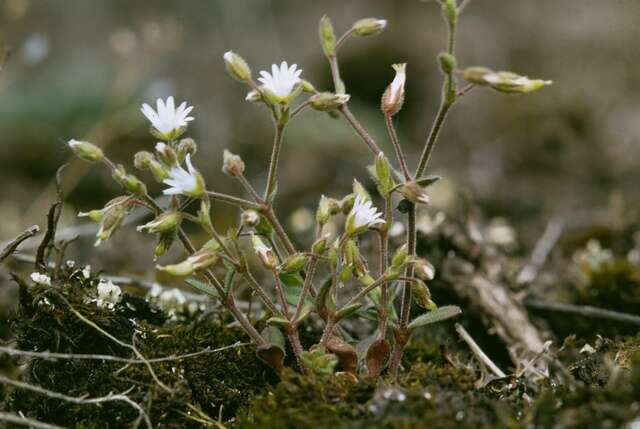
(272, 178)
(402, 159)
(235, 201)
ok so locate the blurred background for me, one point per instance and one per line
(82, 69)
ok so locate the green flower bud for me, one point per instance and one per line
(86, 151)
(383, 176)
(165, 222)
(346, 204)
(369, 26)
(254, 96)
(308, 87)
(198, 261)
(327, 36)
(421, 295)
(232, 164)
(358, 189)
(319, 246)
(129, 182)
(114, 213)
(237, 66)
(326, 208)
(94, 215)
(450, 11)
(503, 81)
(293, 263)
(186, 147)
(204, 214)
(401, 257)
(142, 160)
(447, 63)
(165, 240)
(325, 101)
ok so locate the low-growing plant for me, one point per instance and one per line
(305, 283)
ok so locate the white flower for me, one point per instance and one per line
(187, 182)
(41, 279)
(109, 294)
(166, 120)
(86, 272)
(282, 79)
(362, 216)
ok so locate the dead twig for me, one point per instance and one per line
(121, 397)
(478, 352)
(13, 244)
(540, 252)
(26, 421)
(583, 310)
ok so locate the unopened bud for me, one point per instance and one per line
(393, 96)
(383, 175)
(86, 151)
(166, 154)
(319, 246)
(237, 66)
(447, 63)
(232, 164)
(142, 160)
(264, 252)
(167, 221)
(327, 36)
(293, 263)
(401, 257)
(414, 193)
(450, 11)
(424, 269)
(421, 294)
(503, 81)
(186, 147)
(308, 87)
(250, 218)
(129, 182)
(165, 240)
(359, 190)
(369, 26)
(346, 204)
(94, 215)
(325, 101)
(198, 261)
(204, 214)
(326, 208)
(114, 214)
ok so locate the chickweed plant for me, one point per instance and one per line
(299, 285)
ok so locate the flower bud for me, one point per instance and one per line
(369, 26)
(450, 11)
(401, 257)
(414, 193)
(142, 160)
(186, 147)
(167, 221)
(319, 246)
(129, 182)
(237, 66)
(264, 252)
(424, 269)
(86, 151)
(421, 294)
(293, 263)
(198, 261)
(113, 216)
(232, 164)
(325, 101)
(383, 175)
(165, 240)
(503, 81)
(204, 214)
(166, 154)
(94, 215)
(250, 218)
(393, 96)
(326, 208)
(346, 204)
(327, 36)
(308, 87)
(359, 190)
(447, 63)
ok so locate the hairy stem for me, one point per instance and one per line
(402, 159)
(272, 178)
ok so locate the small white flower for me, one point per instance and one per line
(362, 216)
(71, 263)
(109, 294)
(166, 120)
(41, 279)
(281, 80)
(264, 252)
(86, 272)
(188, 182)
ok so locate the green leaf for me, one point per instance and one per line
(292, 280)
(203, 287)
(438, 315)
(273, 352)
